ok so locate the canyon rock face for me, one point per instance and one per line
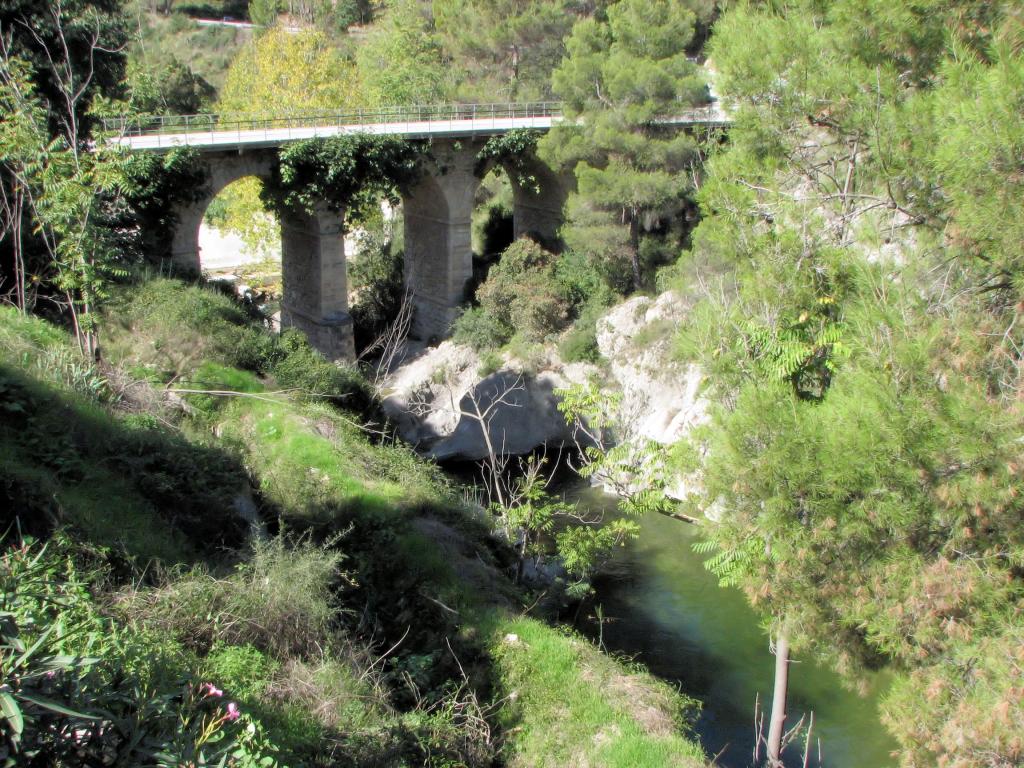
(660, 398)
(440, 396)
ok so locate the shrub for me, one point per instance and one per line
(521, 292)
(492, 227)
(243, 670)
(281, 601)
(173, 326)
(480, 330)
(490, 362)
(177, 329)
(302, 367)
(580, 345)
(78, 689)
(521, 295)
(531, 356)
(581, 281)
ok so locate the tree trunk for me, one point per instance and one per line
(17, 219)
(778, 721)
(634, 249)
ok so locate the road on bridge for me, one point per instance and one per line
(218, 132)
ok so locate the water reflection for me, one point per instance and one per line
(661, 605)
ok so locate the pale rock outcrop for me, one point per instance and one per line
(661, 399)
(435, 396)
(431, 395)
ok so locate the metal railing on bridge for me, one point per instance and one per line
(149, 125)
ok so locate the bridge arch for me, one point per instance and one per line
(538, 200)
(437, 210)
(313, 270)
(221, 171)
(438, 225)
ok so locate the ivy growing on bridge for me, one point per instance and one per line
(346, 173)
(153, 185)
(510, 151)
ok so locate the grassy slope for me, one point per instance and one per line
(606, 714)
(207, 51)
(421, 565)
(114, 480)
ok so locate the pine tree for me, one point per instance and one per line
(623, 76)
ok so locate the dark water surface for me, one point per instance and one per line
(661, 606)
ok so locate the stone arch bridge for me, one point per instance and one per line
(437, 210)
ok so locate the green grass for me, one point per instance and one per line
(71, 458)
(310, 464)
(103, 507)
(171, 328)
(574, 706)
(24, 333)
(271, 630)
(169, 331)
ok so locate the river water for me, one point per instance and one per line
(662, 606)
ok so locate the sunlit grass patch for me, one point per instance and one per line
(300, 463)
(574, 706)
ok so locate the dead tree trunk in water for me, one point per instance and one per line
(778, 721)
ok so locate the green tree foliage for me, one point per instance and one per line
(166, 85)
(504, 50)
(402, 61)
(856, 311)
(520, 297)
(466, 50)
(532, 518)
(350, 172)
(636, 472)
(64, 191)
(152, 185)
(327, 14)
(620, 77)
(57, 60)
(58, 41)
(512, 149)
(264, 12)
(980, 143)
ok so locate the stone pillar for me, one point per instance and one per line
(184, 253)
(315, 296)
(537, 206)
(438, 248)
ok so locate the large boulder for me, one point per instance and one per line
(440, 398)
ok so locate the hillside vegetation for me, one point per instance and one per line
(217, 553)
(856, 282)
(130, 490)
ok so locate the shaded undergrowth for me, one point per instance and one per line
(368, 627)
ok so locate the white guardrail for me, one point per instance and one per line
(423, 121)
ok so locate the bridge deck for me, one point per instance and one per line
(211, 132)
